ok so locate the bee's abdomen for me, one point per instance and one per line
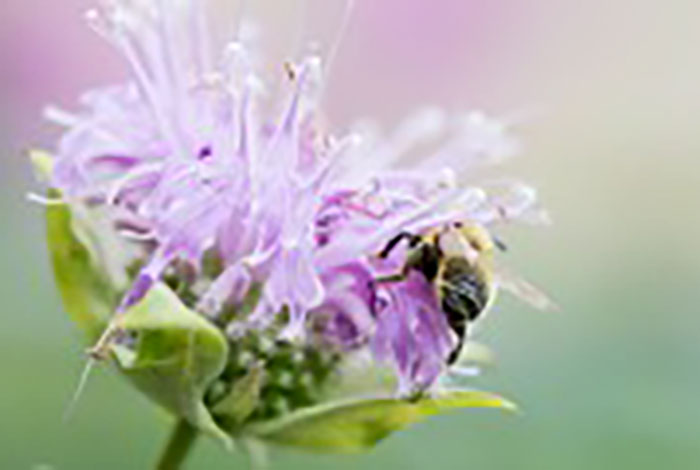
(463, 299)
(464, 296)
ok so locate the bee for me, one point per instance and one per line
(458, 261)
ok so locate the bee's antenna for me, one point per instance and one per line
(499, 243)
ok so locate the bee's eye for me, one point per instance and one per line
(457, 224)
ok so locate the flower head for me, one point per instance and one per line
(226, 201)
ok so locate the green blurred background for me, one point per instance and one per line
(611, 381)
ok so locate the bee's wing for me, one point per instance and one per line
(476, 353)
(524, 290)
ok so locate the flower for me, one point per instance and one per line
(232, 205)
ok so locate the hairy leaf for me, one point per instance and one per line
(356, 426)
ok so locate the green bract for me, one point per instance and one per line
(357, 425)
(87, 295)
(174, 357)
(180, 360)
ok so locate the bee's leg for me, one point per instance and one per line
(460, 329)
(391, 278)
(391, 244)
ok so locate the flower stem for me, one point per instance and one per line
(178, 447)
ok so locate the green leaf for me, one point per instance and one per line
(242, 399)
(356, 426)
(172, 355)
(88, 296)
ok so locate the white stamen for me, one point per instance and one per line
(299, 35)
(137, 236)
(201, 34)
(97, 23)
(45, 201)
(333, 51)
(237, 68)
(168, 35)
(241, 26)
(345, 22)
(60, 116)
(116, 28)
(129, 176)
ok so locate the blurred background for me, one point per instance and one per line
(612, 381)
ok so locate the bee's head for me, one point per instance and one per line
(466, 239)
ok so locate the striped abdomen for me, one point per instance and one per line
(464, 294)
